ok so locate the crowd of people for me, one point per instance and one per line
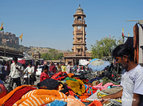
(131, 80)
(14, 72)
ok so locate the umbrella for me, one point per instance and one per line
(83, 62)
(98, 64)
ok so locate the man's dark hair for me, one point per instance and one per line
(45, 67)
(15, 59)
(30, 63)
(122, 50)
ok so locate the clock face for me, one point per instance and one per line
(78, 27)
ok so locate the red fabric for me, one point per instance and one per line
(44, 76)
(3, 91)
(17, 95)
(59, 76)
(52, 68)
(22, 61)
(112, 75)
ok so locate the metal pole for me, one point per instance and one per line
(4, 49)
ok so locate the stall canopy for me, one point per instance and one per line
(98, 64)
(83, 62)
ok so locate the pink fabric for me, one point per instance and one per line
(43, 76)
(99, 86)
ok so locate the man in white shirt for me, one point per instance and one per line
(15, 72)
(68, 68)
(27, 74)
(132, 79)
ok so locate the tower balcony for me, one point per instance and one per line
(79, 22)
(79, 36)
(79, 54)
(79, 43)
(78, 32)
(70, 54)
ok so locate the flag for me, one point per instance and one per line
(123, 33)
(128, 34)
(1, 28)
(21, 36)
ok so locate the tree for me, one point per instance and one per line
(104, 47)
(52, 54)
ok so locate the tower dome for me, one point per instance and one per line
(79, 11)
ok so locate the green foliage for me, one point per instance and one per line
(104, 47)
(52, 55)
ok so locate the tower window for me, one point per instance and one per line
(79, 18)
(78, 50)
(78, 39)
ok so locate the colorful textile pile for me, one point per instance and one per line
(40, 97)
(89, 89)
(15, 95)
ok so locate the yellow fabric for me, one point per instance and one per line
(40, 97)
(100, 95)
(118, 100)
(77, 86)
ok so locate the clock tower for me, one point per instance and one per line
(79, 39)
(79, 49)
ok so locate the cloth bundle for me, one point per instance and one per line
(50, 84)
(15, 95)
(112, 90)
(76, 86)
(59, 76)
(40, 97)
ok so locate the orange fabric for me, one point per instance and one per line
(83, 97)
(72, 101)
(70, 75)
(6, 97)
(95, 103)
(136, 43)
(40, 97)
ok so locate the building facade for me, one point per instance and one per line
(79, 49)
(9, 39)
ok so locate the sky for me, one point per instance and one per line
(48, 23)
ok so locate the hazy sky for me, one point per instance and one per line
(48, 23)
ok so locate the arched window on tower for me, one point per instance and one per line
(79, 18)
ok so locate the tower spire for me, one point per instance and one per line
(79, 5)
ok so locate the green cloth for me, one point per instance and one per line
(106, 80)
(68, 78)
